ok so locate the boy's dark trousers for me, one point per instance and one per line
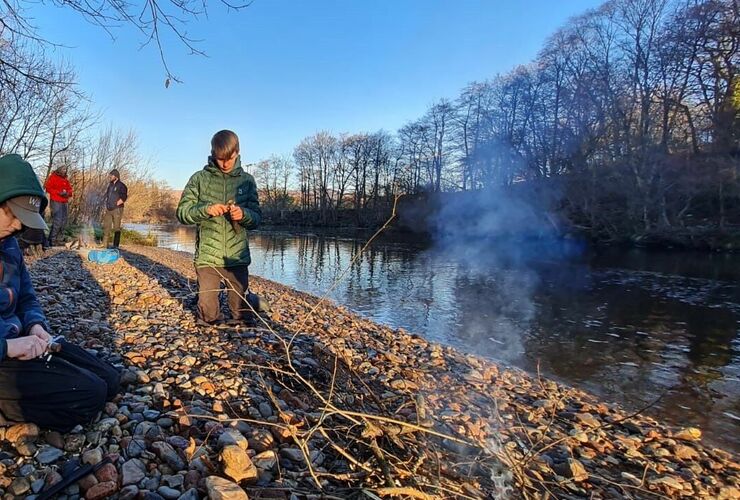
(209, 289)
(68, 389)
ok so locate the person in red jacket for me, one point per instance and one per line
(60, 192)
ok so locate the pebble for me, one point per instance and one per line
(48, 454)
(93, 456)
(132, 472)
(128, 493)
(233, 437)
(191, 494)
(20, 486)
(688, 434)
(266, 460)
(101, 491)
(168, 493)
(25, 432)
(293, 454)
(237, 464)
(222, 489)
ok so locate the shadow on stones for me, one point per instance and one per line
(75, 304)
(178, 286)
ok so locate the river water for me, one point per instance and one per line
(631, 326)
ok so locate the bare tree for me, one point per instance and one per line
(155, 20)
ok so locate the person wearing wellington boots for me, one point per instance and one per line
(47, 381)
(115, 196)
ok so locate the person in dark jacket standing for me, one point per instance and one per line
(221, 199)
(48, 381)
(60, 192)
(115, 196)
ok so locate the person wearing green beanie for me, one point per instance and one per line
(56, 391)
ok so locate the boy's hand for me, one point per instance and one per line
(217, 209)
(38, 331)
(236, 213)
(25, 348)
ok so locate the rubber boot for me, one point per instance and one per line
(116, 239)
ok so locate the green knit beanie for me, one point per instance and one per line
(17, 178)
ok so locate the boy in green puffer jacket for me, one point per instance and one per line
(222, 201)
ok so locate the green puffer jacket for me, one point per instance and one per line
(217, 243)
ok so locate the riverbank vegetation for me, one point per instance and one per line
(629, 116)
(91, 235)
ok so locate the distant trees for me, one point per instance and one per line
(273, 178)
(346, 173)
(149, 200)
(633, 108)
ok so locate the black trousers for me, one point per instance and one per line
(68, 389)
(58, 220)
(209, 289)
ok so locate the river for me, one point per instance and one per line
(634, 327)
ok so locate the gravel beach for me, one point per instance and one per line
(317, 402)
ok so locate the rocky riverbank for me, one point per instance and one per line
(320, 403)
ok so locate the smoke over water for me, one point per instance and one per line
(497, 240)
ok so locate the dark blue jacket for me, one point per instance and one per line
(115, 191)
(19, 307)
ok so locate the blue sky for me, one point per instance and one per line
(284, 69)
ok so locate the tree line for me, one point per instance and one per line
(631, 112)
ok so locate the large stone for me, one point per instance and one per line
(293, 454)
(667, 481)
(587, 419)
(573, 469)
(87, 482)
(92, 457)
(261, 440)
(168, 493)
(265, 460)
(25, 432)
(55, 439)
(25, 447)
(237, 464)
(223, 489)
(233, 437)
(128, 493)
(101, 490)
(132, 471)
(19, 486)
(168, 454)
(191, 494)
(48, 454)
(688, 434)
(107, 473)
(683, 452)
(74, 442)
(135, 448)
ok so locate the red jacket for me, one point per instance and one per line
(55, 185)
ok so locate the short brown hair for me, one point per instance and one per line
(224, 144)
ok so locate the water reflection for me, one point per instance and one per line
(631, 326)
